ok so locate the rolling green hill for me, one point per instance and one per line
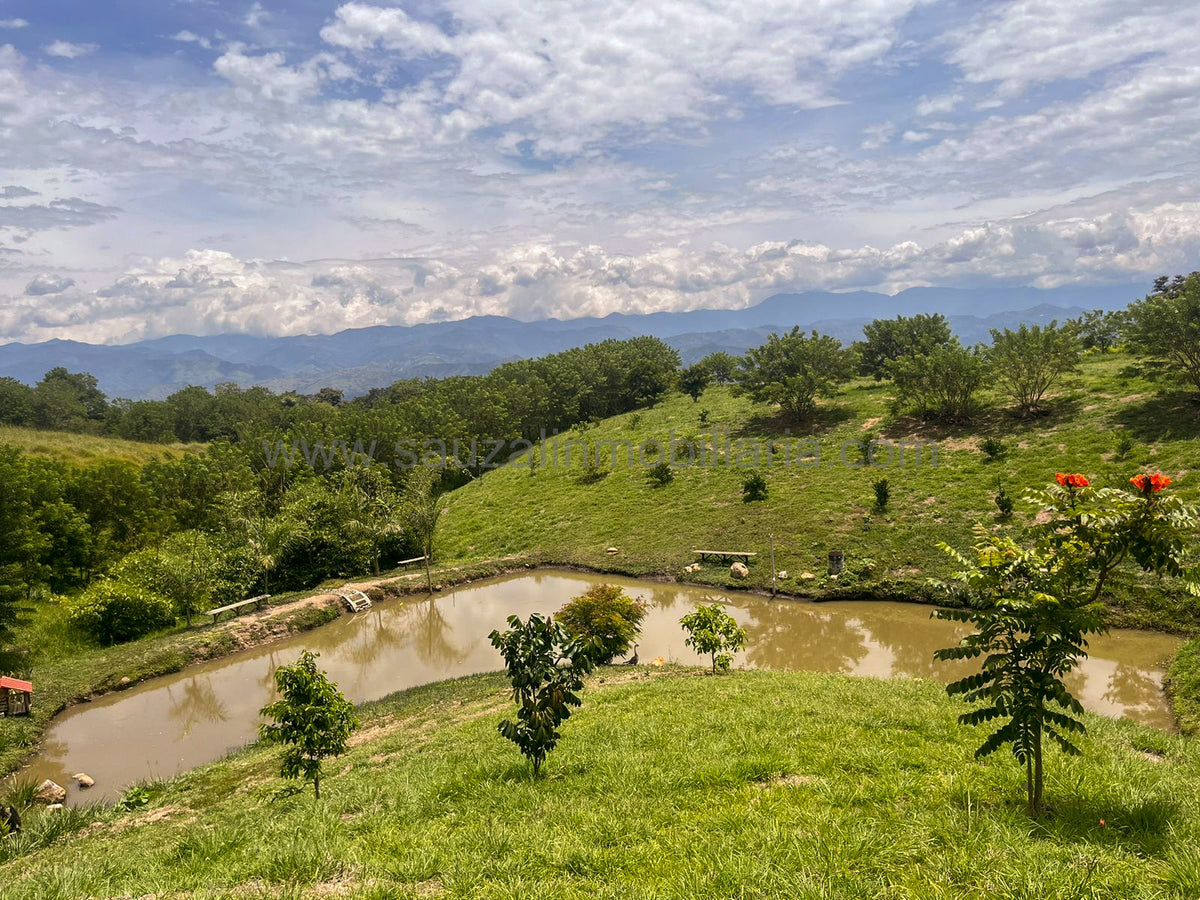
(84, 449)
(559, 515)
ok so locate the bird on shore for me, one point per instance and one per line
(633, 660)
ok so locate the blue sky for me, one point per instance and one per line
(201, 166)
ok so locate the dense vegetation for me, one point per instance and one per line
(667, 784)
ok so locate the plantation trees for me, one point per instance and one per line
(887, 340)
(311, 719)
(793, 370)
(1034, 607)
(940, 384)
(605, 619)
(546, 667)
(1026, 362)
(1166, 326)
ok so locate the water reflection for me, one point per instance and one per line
(181, 721)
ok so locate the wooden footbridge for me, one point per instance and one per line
(356, 601)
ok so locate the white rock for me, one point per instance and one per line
(85, 780)
(611, 550)
(49, 792)
(782, 575)
(54, 806)
(807, 576)
(739, 570)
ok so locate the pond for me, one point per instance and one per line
(174, 723)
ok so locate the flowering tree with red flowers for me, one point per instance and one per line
(1034, 607)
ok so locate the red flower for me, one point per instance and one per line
(1075, 481)
(1101, 823)
(1150, 484)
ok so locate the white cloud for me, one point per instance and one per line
(189, 37)
(67, 50)
(13, 23)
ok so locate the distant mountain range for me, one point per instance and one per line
(358, 359)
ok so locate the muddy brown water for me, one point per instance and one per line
(181, 721)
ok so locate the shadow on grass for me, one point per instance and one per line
(1163, 417)
(1144, 827)
(777, 422)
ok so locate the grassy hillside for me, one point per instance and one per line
(84, 449)
(667, 783)
(811, 510)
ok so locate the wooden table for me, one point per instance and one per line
(724, 556)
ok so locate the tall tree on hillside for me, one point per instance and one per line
(887, 340)
(694, 379)
(793, 370)
(721, 366)
(941, 384)
(1166, 327)
(1027, 362)
(269, 538)
(422, 509)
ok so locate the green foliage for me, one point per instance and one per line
(888, 340)
(1124, 446)
(754, 487)
(883, 493)
(793, 370)
(1027, 362)
(423, 507)
(1004, 501)
(1166, 327)
(188, 568)
(1099, 329)
(116, 611)
(604, 619)
(713, 631)
(1183, 683)
(1033, 609)
(721, 366)
(660, 475)
(993, 448)
(312, 720)
(940, 384)
(546, 668)
(694, 379)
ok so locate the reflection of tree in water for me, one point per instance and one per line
(659, 597)
(374, 642)
(431, 636)
(1132, 688)
(781, 635)
(194, 701)
(912, 641)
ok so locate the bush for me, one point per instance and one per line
(941, 384)
(1025, 363)
(1004, 502)
(604, 619)
(883, 492)
(115, 611)
(660, 475)
(713, 631)
(993, 448)
(754, 488)
(793, 370)
(1124, 446)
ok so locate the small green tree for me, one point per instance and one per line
(660, 475)
(694, 379)
(605, 619)
(268, 540)
(1166, 327)
(312, 719)
(793, 370)
(546, 667)
(1027, 362)
(1034, 608)
(721, 366)
(116, 611)
(713, 631)
(423, 509)
(941, 384)
(754, 488)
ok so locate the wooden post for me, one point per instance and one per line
(772, 564)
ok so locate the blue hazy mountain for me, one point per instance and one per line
(358, 359)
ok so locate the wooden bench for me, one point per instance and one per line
(724, 556)
(258, 601)
(405, 563)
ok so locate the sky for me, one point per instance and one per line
(203, 167)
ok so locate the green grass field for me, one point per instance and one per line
(84, 449)
(667, 783)
(813, 509)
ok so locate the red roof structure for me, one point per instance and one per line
(16, 684)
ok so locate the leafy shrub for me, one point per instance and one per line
(713, 631)
(604, 619)
(704, 416)
(993, 448)
(660, 475)
(1004, 502)
(883, 492)
(546, 667)
(116, 611)
(754, 488)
